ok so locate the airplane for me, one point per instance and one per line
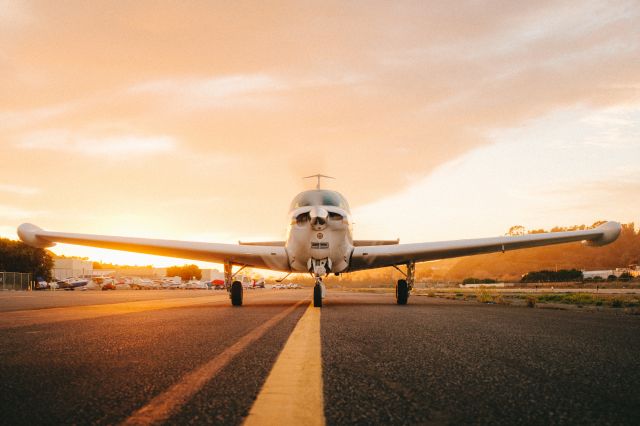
(319, 241)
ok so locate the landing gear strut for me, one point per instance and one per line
(318, 292)
(318, 267)
(404, 287)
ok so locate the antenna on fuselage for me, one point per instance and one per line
(318, 176)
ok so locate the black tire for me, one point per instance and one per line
(317, 296)
(236, 293)
(402, 292)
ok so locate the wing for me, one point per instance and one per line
(358, 243)
(267, 257)
(367, 257)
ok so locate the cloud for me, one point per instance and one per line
(17, 213)
(378, 98)
(218, 91)
(30, 116)
(18, 189)
(14, 13)
(109, 146)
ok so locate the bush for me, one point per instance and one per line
(625, 276)
(563, 275)
(478, 281)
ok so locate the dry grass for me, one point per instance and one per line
(484, 296)
(585, 299)
(500, 300)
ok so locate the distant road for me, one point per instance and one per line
(189, 357)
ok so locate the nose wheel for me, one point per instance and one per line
(318, 293)
(317, 296)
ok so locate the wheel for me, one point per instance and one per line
(402, 292)
(317, 296)
(236, 293)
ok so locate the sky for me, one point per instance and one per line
(197, 120)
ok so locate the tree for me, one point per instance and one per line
(16, 256)
(185, 272)
(516, 230)
(563, 275)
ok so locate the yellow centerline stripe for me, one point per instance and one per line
(292, 394)
(163, 406)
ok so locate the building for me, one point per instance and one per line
(634, 271)
(604, 274)
(64, 268)
(212, 274)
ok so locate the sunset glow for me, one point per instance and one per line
(198, 122)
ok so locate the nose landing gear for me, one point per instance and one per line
(317, 293)
(318, 267)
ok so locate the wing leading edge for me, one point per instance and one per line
(267, 257)
(368, 257)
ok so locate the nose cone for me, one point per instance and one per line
(318, 218)
(318, 212)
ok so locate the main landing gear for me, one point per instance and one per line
(236, 292)
(402, 292)
(404, 287)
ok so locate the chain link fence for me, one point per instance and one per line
(15, 281)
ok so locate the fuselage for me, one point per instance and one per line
(319, 235)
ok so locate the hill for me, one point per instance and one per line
(512, 265)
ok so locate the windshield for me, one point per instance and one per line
(319, 197)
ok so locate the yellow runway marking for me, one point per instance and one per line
(51, 315)
(292, 394)
(160, 408)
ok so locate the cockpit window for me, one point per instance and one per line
(319, 197)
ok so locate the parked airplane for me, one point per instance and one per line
(73, 283)
(319, 241)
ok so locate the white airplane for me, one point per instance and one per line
(319, 241)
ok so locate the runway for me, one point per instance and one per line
(187, 357)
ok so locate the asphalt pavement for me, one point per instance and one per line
(102, 357)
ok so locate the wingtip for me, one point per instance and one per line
(28, 233)
(610, 232)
